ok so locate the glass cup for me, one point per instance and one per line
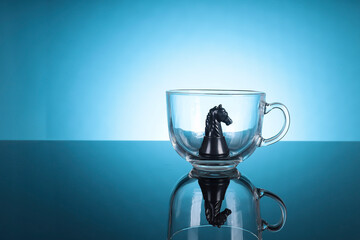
(217, 129)
(219, 205)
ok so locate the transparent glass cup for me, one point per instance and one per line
(217, 129)
(219, 205)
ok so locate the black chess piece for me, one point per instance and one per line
(213, 190)
(214, 144)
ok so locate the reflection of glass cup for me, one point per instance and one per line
(217, 129)
(219, 205)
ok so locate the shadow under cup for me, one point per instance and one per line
(195, 114)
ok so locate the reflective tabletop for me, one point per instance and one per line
(121, 189)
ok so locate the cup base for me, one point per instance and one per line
(214, 165)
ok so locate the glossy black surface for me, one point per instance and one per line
(121, 190)
(214, 145)
(213, 191)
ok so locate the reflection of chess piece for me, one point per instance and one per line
(213, 190)
(214, 144)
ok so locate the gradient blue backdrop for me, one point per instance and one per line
(97, 69)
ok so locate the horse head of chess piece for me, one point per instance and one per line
(214, 144)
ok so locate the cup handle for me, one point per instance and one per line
(278, 226)
(285, 127)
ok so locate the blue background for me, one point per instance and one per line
(96, 69)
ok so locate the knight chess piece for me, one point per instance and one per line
(213, 190)
(214, 144)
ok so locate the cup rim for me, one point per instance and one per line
(172, 235)
(228, 92)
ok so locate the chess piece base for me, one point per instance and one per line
(214, 147)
